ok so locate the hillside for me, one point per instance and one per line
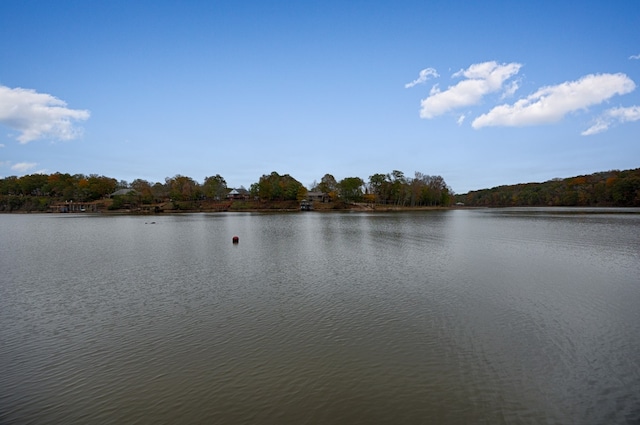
(603, 189)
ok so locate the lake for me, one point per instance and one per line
(515, 316)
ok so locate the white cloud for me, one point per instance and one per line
(424, 75)
(552, 103)
(511, 89)
(38, 115)
(482, 78)
(634, 57)
(23, 167)
(613, 116)
(461, 119)
(1, 145)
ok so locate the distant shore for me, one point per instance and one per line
(103, 207)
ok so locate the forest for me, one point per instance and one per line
(613, 188)
(48, 192)
(45, 192)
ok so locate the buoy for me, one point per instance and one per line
(236, 239)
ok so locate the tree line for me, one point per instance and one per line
(390, 189)
(610, 188)
(36, 192)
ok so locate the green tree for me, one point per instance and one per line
(100, 186)
(379, 186)
(350, 189)
(398, 187)
(274, 187)
(10, 186)
(33, 184)
(215, 187)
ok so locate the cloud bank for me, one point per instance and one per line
(481, 79)
(38, 115)
(424, 75)
(611, 117)
(550, 104)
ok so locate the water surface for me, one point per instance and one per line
(462, 316)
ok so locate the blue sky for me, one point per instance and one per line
(481, 93)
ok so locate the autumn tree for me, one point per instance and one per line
(143, 190)
(61, 185)
(182, 188)
(81, 192)
(160, 191)
(328, 185)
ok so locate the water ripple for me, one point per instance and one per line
(451, 317)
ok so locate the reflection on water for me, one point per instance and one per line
(465, 316)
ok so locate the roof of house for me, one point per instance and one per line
(239, 191)
(122, 192)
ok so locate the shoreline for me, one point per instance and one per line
(265, 209)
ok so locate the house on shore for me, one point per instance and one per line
(238, 194)
(318, 196)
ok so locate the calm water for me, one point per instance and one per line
(465, 316)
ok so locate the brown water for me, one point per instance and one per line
(466, 316)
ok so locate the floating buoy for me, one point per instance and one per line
(235, 239)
